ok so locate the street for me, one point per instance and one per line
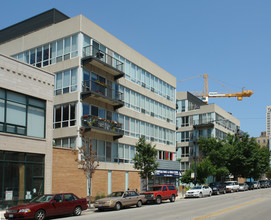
(247, 205)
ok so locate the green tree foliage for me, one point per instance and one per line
(145, 159)
(268, 173)
(240, 156)
(203, 169)
(218, 153)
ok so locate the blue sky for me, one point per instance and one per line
(227, 39)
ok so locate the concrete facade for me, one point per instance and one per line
(197, 119)
(25, 79)
(157, 124)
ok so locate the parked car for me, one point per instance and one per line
(243, 187)
(120, 199)
(44, 206)
(232, 186)
(263, 183)
(158, 193)
(198, 191)
(256, 185)
(250, 185)
(218, 188)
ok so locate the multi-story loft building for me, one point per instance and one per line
(104, 86)
(197, 119)
(26, 131)
(268, 121)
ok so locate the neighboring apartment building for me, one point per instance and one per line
(263, 140)
(197, 119)
(268, 121)
(26, 130)
(108, 88)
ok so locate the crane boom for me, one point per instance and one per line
(205, 94)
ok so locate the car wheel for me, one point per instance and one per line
(158, 200)
(172, 199)
(77, 211)
(117, 206)
(100, 210)
(200, 195)
(139, 203)
(40, 215)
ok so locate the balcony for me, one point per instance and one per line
(99, 91)
(102, 60)
(102, 126)
(203, 125)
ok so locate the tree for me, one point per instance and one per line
(240, 156)
(218, 154)
(145, 159)
(87, 160)
(204, 169)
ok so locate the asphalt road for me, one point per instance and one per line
(249, 205)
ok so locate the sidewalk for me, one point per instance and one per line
(2, 217)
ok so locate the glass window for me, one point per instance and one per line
(101, 150)
(35, 122)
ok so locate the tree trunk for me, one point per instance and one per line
(147, 182)
(89, 191)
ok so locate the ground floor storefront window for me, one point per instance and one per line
(21, 177)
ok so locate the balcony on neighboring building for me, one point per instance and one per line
(102, 126)
(101, 92)
(203, 125)
(102, 60)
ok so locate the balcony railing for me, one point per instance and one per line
(102, 91)
(102, 125)
(91, 53)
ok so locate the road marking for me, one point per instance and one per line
(226, 210)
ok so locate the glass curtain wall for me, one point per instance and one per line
(21, 177)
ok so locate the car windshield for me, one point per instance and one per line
(43, 198)
(155, 188)
(228, 183)
(196, 187)
(241, 184)
(213, 184)
(116, 194)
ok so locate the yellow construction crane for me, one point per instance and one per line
(206, 94)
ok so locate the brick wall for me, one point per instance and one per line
(134, 181)
(99, 183)
(66, 175)
(68, 178)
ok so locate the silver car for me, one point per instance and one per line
(232, 186)
(119, 199)
(198, 191)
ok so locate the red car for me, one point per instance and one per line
(48, 205)
(158, 193)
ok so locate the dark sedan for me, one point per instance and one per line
(250, 185)
(48, 205)
(218, 188)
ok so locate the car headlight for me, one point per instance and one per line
(214, 188)
(110, 201)
(24, 210)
